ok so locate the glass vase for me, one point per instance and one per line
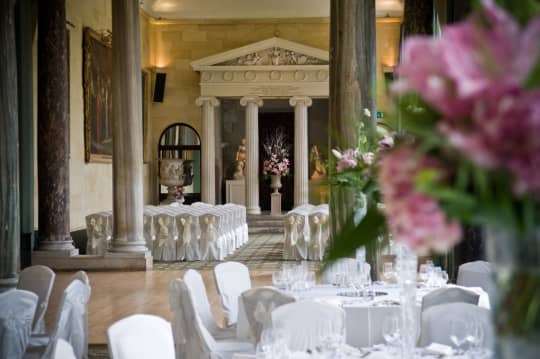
(516, 299)
(406, 265)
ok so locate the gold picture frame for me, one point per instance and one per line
(97, 72)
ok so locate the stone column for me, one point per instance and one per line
(53, 129)
(9, 150)
(208, 149)
(301, 161)
(352, 84)
(252, 104)
(127, 130)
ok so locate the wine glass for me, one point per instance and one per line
(459, 330)
(278, 279)
(391, 329)
(266, 344)
(475, 336)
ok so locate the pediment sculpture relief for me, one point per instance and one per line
(275, 56)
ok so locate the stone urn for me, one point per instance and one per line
(275, 183)
(173, 173)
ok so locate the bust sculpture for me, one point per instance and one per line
(240, 160)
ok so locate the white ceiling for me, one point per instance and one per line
(252, 9)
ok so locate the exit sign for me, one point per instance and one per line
(380, 114)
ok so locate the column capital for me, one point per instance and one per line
(213, 101)
(300, 100)
(244, 101)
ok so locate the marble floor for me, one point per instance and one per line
(116, 295)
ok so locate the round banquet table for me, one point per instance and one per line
(363, 318)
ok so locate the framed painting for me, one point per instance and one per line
(97, 72)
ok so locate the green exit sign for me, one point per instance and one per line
(380, 114)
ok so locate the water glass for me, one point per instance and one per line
(391, 329)
(388, 271)
(458, 333)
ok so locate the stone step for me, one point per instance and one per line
(265, 223)
(263, 230)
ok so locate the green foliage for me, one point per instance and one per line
(522, 10)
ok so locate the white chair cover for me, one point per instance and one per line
(17, 309)
(307, 324)
(191, 337)
(259, 304)
(141, 336)
(39, 280)
(63, 350)
(211, 247)
(187, 247)
(195, 283)
(165, 243)
(232, 279)
(477, 274)
(70, 323)
(320, 233)
(436, 322)
(83, 277)
(449, 295)
(99, 228)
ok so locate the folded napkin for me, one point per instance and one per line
(439, 349)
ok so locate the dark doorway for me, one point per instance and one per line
(268, 123)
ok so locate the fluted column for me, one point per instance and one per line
(208, 150)
(352, 83)
(127, 129)
(53, 129)
(301, 164)
(252, 104)
(9, 151)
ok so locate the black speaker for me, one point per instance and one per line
(159, 87)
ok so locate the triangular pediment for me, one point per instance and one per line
(271, 52)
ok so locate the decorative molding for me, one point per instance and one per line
(244, 101)
(300, 100)
(200, 101)
(275, 56)
(269, 68)
(288, 51)
(303, 20)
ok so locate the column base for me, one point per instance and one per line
(57, 246)
(129, 247)
(8, 284)
(108, 262)
(253, 210)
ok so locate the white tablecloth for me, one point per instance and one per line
(363, 319)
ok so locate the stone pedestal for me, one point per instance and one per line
(235, 192)
(275, 204)
(252, 104)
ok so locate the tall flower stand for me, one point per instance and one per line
(275, 197)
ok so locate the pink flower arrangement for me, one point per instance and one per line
(413, 217)
(473, 76)
(276, 166)
(277, 152)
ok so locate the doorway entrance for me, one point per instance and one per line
(268, 124)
